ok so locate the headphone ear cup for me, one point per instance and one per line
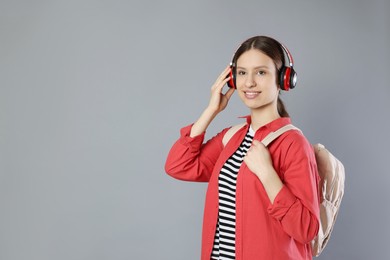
(232, 81)
(282, 79)
(287, 78)
(293, 78)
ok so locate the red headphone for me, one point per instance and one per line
(287, 74)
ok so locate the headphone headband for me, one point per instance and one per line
(288, 54)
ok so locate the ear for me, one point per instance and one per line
(278, 83)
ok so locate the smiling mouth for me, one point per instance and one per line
(251, 94)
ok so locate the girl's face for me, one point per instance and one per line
(256, 80)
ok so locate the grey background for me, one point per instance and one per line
(93, 94)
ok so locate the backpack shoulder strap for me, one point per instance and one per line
(229, 134)
(273, 135)
(266, 141)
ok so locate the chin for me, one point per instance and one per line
(258, 105)
(252, 103)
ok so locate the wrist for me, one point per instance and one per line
(203, 122)
(211, 111)
(267, 175)
(272, 184)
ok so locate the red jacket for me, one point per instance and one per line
(264, 231)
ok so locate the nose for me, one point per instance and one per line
(249, 81)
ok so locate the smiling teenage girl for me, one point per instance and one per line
(261, 202)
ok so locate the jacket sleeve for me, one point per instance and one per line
(191, 160)
(296, 206)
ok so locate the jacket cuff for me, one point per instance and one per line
(193, 142)
(282, 203)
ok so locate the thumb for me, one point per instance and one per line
(229, 93)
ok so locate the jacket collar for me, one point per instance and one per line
(271, 126)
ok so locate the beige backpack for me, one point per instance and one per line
(331, 187)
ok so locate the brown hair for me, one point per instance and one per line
(272, 49)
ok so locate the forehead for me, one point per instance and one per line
(254, 58)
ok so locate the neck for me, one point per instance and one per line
(260, 118)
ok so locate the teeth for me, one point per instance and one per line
(252, 94)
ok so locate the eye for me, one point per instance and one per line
(241, 72)
(261, 72)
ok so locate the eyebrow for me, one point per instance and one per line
(258, 67)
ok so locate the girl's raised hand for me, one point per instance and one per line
(219, 100)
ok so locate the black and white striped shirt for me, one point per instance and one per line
(224, 241)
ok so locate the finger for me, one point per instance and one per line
(229, 93)
(250, 150)
(221, 81)
(246, 160)
(224, 73)
(255, 142)
(219, 86)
